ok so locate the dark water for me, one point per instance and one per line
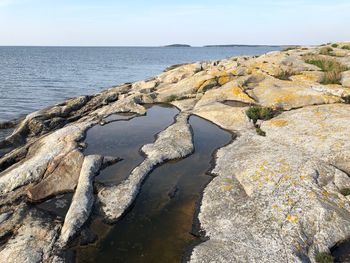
(34, 77)
(341, 252)
(57, 205)
(124, 139)
(158, 227)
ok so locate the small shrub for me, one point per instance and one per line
(335, 45)
(346, 47)
(259, 113)
(345, 191)
(284, 74)
(324, 257)
(326, 51)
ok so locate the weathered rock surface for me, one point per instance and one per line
(32, 242)
(48, 150)
(63, 179)
(273, 192)
(345, 81)
(172, 143)
(227, 117)
(278, 198)
(83, 199)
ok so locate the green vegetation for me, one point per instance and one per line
(260, 131)
(332, 69)
(346, 47)
(290, 48)
(326, 51)
(324, 257)
(171, 98)
(284, 74)
(335, 45)
(256, 113)
(175, 97)
(345, 191)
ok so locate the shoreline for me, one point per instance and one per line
(262, 191)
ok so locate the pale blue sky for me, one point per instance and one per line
(156, 22)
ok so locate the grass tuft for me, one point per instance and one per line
(347, 47)
(332, 69)
(324, 257)
(326, 51)
(284, 74)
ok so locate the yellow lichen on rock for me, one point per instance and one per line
(279, 122)
(240, 95)
(222, 80)
(312, 76)
(292, 218)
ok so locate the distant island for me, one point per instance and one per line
(227, 45)
(178, 45)
(238, 45)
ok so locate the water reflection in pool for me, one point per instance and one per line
(158, 226)
(124, 138)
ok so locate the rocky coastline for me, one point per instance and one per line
(281, 191)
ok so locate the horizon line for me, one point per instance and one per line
(166, 46)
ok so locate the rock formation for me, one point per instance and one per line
(280, 197)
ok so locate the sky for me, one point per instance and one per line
(156, 22)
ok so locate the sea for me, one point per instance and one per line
(32, 78)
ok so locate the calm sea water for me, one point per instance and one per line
(34, 77)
